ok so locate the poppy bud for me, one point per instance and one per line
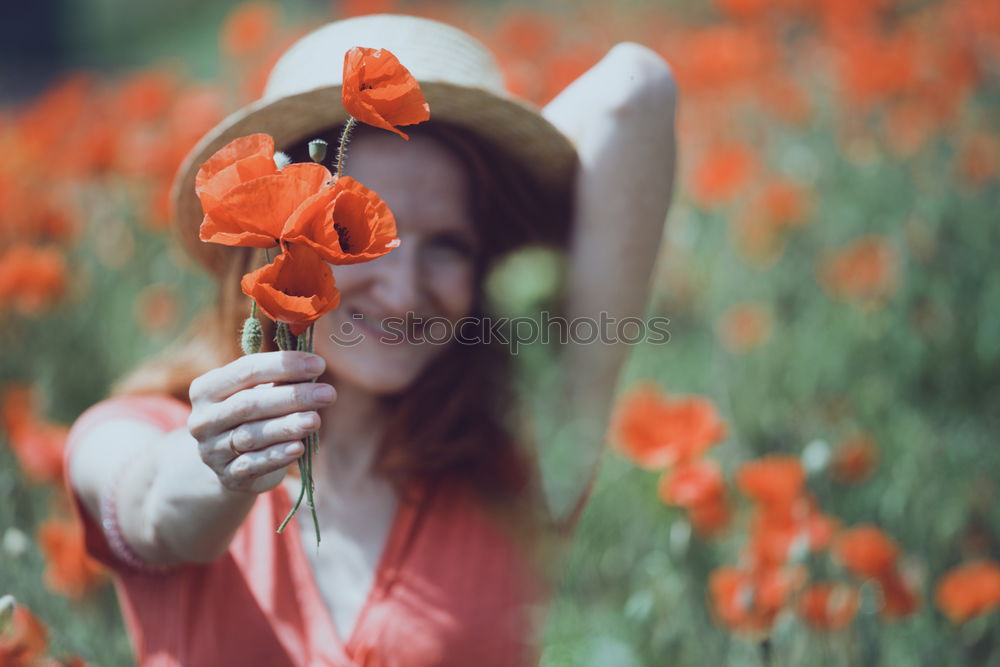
(282, 336)
(253, 336)
(317, 150)
(281, 160)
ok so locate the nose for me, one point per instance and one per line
(398, 285)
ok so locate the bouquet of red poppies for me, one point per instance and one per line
(307, 216)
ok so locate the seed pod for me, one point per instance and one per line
(317, 150)
(253, 336)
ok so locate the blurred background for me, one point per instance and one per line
(806, 474)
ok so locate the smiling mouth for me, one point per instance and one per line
(397, 329)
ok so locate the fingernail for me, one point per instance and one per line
(314, 364)
(323, 392)
(292, 448)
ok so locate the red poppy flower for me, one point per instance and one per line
(692, 484)
(829, 606)
(379, 91)
(749, 601)
(25, 640)
(722, 173)
(866, 269)
(31, 277)
(854, 459)
(969, 590)
(899, 599)
(246, 199)
(699, 487)
(774, 481)
(655, 430)
(37, 445)
(69, 571)
(867, 552)
(710, 517)
(745, 326)
(779, 533)
(345, 224)
(248, 28)
(296, 288)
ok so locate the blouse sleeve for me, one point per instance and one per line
(102, 541)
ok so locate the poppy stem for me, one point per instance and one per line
(345, 136)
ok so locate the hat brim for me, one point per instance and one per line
(511, 125)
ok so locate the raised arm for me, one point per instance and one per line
(620, 116)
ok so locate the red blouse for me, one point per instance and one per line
(451, 587)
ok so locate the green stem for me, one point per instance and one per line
(345, 136)
(298, 501)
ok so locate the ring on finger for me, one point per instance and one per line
(232, 445)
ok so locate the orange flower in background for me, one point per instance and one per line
(875, 67)
(253, 213)
(69, 570)
(867, 552)
(379, 91)
(296, 288)
(785, 203)
(698, 487)
(772, 481)
(748, 601)
(865, 269)
(854, 459)
(722, 173)
(779, 534)
(692, 483)
(25, 641)
(345, 224)
(655, 431)
(32, 277)
(37, 445)
(968, 590)
(715, 58)
(828, 606)
(745, 326)
(248, 28)
(899, 599)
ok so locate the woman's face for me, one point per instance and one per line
(379, 338)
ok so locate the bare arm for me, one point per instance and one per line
(620, 115)
(183, 494)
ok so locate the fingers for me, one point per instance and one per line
(250, 471)
(252, 370)
(256, 404)
(260, 434)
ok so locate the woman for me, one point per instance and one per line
(430, 514)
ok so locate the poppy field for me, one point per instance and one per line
(805, 474)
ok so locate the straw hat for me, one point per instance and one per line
(457, 74)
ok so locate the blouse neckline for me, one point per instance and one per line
(324, 633)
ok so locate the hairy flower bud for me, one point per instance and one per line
(253, 336)
(282, 336)
(281, 160)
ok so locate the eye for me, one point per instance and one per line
(451, 244)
